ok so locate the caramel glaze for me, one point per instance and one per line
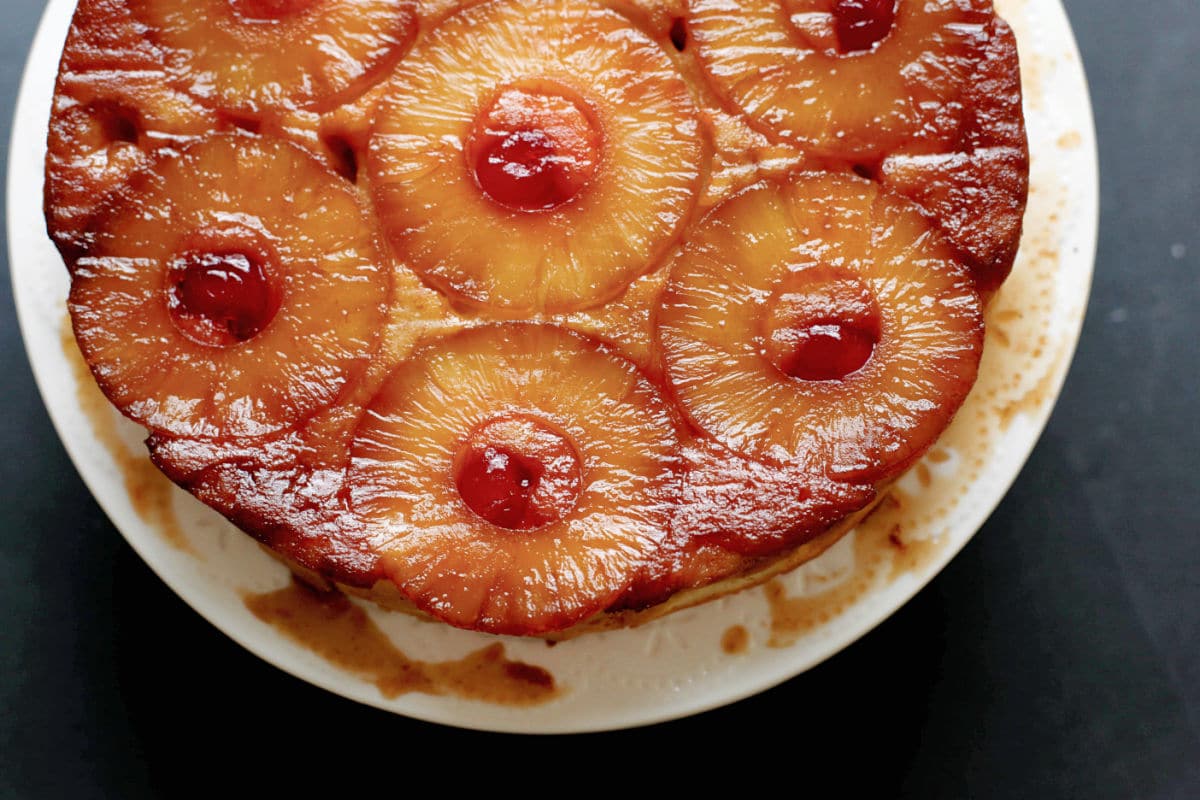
(340, 632)
(289, 492)
(150, 492)
(977, 196)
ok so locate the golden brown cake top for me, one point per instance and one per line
(530, 309)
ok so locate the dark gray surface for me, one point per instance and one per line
(1057, 657)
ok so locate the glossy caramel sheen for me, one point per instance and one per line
(561, 401)
(154, 356)
(255, 57)
(866, 425)
(816, 52)
(575, 73)
(862, 24)
(570, 318)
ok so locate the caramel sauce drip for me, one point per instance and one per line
(150, 492)
(882, 552)
(735, 640)
(340, 632)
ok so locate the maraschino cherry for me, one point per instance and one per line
(516, 472)
(861, 24)
(533, 149)
(221, 299)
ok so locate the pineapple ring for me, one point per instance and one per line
(112, 106)
(715, 327)
(778, 61)
(93, 147)
(625, 208)
(515, 578)
(977, 194)
(254, 56)
(263, 200)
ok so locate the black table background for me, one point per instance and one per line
(1057, 657)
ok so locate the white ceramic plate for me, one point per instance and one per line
(676, 666)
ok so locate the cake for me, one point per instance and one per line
(536, 317)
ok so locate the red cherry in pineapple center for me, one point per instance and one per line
(221, 298)
(269, 10)
(861, 24)
(534, 147)
(518, 472)
(826, 351)
(822, 325)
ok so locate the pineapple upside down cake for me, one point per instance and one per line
(537, 316)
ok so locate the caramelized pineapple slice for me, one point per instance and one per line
(231, 290)
(757, 509)
(852, 79)
(517, 476)
(821, 322)
(733, 511)
(535, 156)
(113, 106)
(248, 57)
(976, 190)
